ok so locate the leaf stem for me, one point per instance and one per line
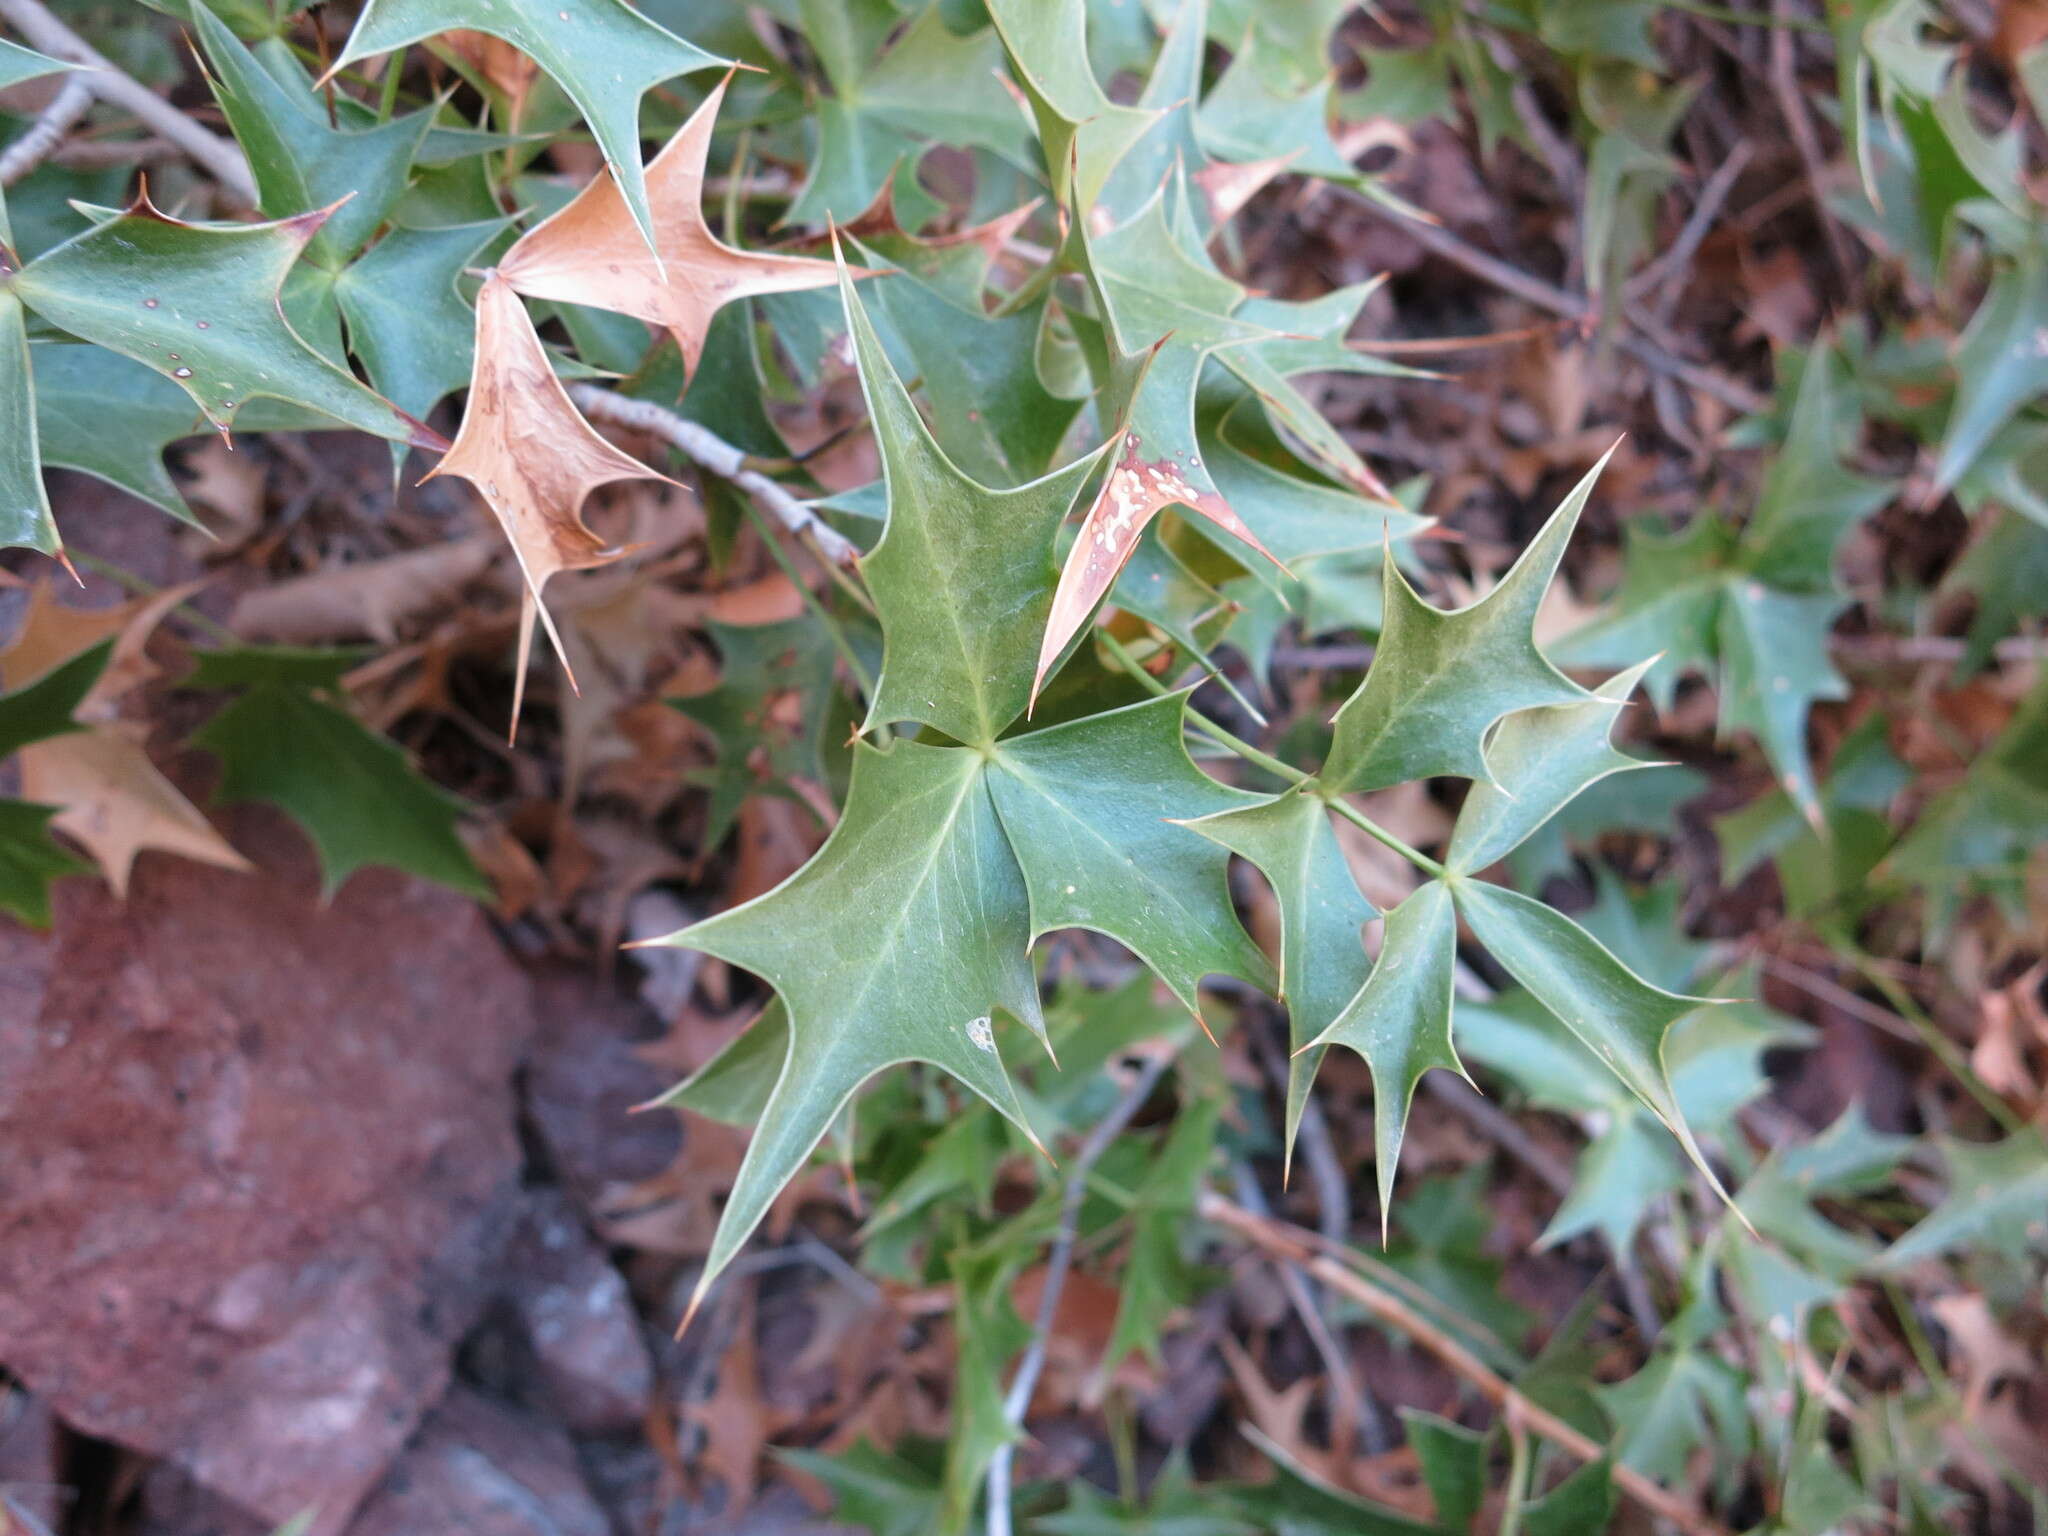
(833, 629)
(1284, 771)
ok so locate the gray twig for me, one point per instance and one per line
(46, 132)
(1058, 1263)
(708, 450)
(1524, 285)
(222, 158)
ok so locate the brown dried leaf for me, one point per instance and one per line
(110, 797)
(367, 600)
(593, 253)
(115, 803)
(1136, 491)
(534, 458)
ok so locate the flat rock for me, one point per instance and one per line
(257, 1164)
(583, 1080)
(590, 1366)
(484, 1468)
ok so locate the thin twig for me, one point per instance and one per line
(1792, 106)
(1523, 285)
(1305, 1248)
(222, 158)
(709, 451)
(1057, 1264)
(1662, 275)
(46, 132)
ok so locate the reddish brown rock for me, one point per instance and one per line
(257, 1164)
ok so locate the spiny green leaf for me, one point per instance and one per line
(604, 54)
(29, 861)
(1621, 1017)
(900, 941)
(300, 162)
(25, 518)
(42, 708)
(406, 321)
(76, 388)
(354, 792)
(963, 577)
(1997, 1192)
(1400, 1021)
(733, 1087)
(1322, 920)
(1809, 501)
(1439, 680)
(1453, 1461)
(1774, 666)
(2001, 363)
(199, 304)
(1156, 1278)
(18, 64)
(929, 85)
(1542, 760)
(1086, 807)
(764, 669)
(1082, 132)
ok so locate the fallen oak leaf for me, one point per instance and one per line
(365, 600)
(591, 251)
(534, 459)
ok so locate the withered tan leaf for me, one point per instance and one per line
(115, 803)
(366, 600)
(533, 458)
(1136, 491)
(111, 799)
(591, 252)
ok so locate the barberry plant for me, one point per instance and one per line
(1102, 486)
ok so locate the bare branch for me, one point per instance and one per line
(710, 451)
(222, 158)
(46, 132)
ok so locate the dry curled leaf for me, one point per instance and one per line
(366, 600)
(533, 457)
(591, 252)
(110, 797)
(1136, 491)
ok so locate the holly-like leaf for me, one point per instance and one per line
(1082, 133)
(533, 458)
(604, 54)
(300, 161)
(42, 700)
(1086, 807)
(1322, 920)
(902, 940)
(928, 84)
(592, 252)
(1997, 1192)
(962, 578)
(29, 861)
(200, 305)
(1439, 680)
(1400, 1021)
(1809, 501)
(25, 518)
(1542, 760)
(1623, 1019)
(18, 64)
(1774, 666)
(2001, 363)
(283, 742)
(406, 321)
(767, 713)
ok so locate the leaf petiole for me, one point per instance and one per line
(1258, 759)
